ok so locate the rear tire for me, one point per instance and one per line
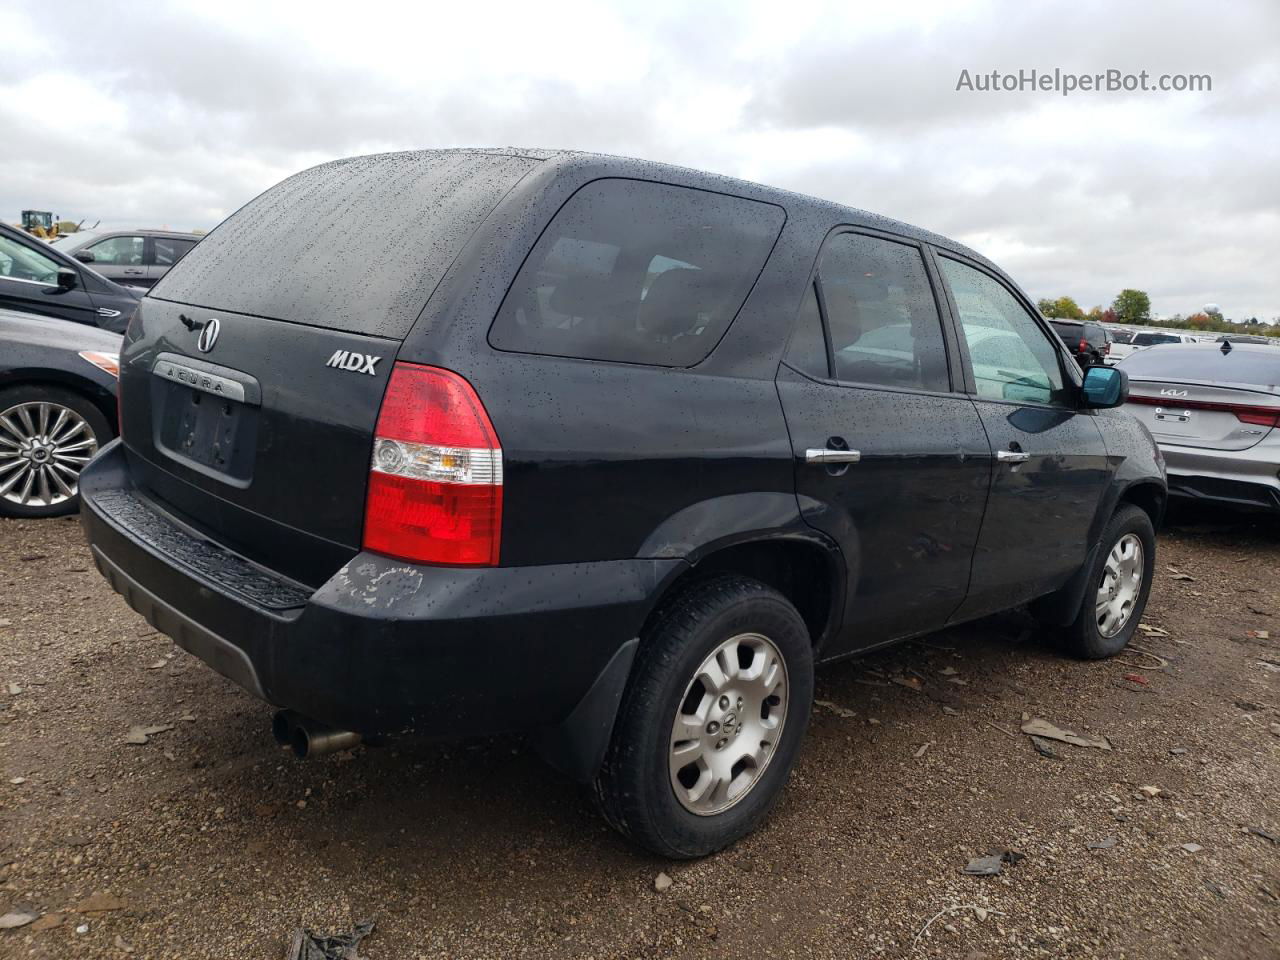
(1105, 623)
(63, 429)
(688, 797)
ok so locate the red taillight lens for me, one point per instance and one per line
(1083, 346)
(1261, 416)
(435, 484)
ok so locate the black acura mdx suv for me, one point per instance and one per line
(606, 452)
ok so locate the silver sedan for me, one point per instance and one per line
(1214, 410)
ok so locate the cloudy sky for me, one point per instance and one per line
(174, 114)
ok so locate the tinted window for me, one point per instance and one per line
(808, 349)
(881, 315)
(1151, 339)
(20, 262)
(1012, 357)
(118, 251)
(1120, 336)
(170, 250)
(1069, 332)
(1209, 363)
(638, 272)
(354, 245)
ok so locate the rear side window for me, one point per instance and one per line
(637, 272)
(881, 315)
(807, 351)
(355, 245)
(1151, 339)
(169, 250)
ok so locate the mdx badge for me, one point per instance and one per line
(347, 360)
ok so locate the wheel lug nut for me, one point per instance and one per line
(739, 703)
(721, 744)
(724, 703)
(713, 727)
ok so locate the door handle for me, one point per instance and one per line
(1012, 456)
(134, 271)
(823, 455)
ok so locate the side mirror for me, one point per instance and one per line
(67, 278)
(1105, 387)
(84, 256)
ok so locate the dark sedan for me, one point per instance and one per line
(39, 278)
(57, 407)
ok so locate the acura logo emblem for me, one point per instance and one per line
(208, 335)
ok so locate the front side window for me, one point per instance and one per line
(881, 314)
(20, 262)
(1013, 359)
(118, 251)
(637, 272)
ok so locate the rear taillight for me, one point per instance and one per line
(435, 484)
(1083, 346)
(1245, 413)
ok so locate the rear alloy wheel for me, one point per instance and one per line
(711, 720)
(47, 435)
(1117, 588)
(728, 725)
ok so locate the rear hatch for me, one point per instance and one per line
(252, 376)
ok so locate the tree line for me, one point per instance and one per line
(1133, 307)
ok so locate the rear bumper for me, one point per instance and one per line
(383, 646)
(1239, 478)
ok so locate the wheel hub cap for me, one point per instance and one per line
(1121, 584)
(728, 724)
(42, 448)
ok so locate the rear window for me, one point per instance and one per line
(1260, 366)
(1068, 331)
(357, 245)
(637, 272)
(1151, 339)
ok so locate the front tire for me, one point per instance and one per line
(711, 720)
(1117, 589)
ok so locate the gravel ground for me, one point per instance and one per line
(209, 841)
